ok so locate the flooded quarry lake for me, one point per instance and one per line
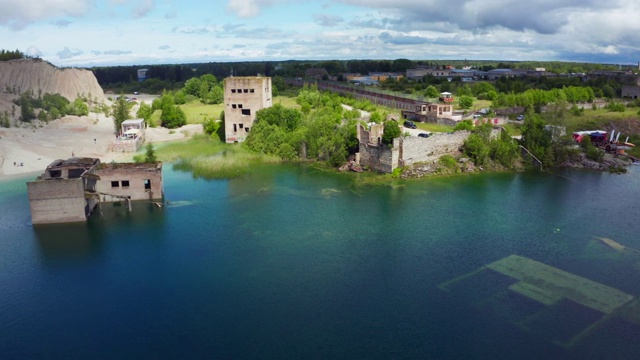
(294, 262)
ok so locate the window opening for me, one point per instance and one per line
(115, 184)
(147, 183)
(246, 112)
(125, 183)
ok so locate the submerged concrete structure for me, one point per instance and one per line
(554, 296)
(130, 180)
(65, 192)
(243, 97)
(69, 190)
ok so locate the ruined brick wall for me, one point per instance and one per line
(378, 158)
(126, 146)
(410, 150)
(416, 149)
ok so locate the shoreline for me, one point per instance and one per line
(37, 146)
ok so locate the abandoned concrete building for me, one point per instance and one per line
(136, 181)
(131, 136)
(243, 97)
(60, 193)
(69, 190)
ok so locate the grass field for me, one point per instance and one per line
(209, 158)
(596, 119)
(434, 127)
(196, 111)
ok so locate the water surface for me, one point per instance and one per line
(293, 262)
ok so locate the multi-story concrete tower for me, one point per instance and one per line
(243, 97)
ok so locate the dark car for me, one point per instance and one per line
(410, 124)
(424, 135)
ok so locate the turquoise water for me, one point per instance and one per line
(293, 262)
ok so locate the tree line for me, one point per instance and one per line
(6, 55)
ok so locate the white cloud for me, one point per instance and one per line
(33, 51)
(244, 8)
(67, 53)
(17, 14)
(251, 8)
(143, 8)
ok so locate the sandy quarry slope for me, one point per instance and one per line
(40, 76)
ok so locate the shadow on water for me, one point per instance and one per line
(73, 241)
(86, 240)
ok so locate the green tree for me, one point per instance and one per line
(465, 102)
(192, 86)
(608, 92)
(26, 108)
(144, 112)
(390, 132)
(590, 150)
(215, 95)
(120, 112)
(534, 136)
(431, 92)
(464, 125)
(464, 90)
(150, 155)
(79, 108)
(278, 115)
(376, 117)
(172, 116)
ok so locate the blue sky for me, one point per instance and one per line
(128, 32)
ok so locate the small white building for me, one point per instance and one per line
(131, 136)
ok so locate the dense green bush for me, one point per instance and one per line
(590, 150)
(448, 161)
(390, 132)
(464, 125)
(615, 106)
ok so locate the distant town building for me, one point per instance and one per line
(142, 74)
(243, 97)
(318, 73)
(420, 72)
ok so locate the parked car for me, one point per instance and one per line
(520, 117)
(424, 135)
(410, 124)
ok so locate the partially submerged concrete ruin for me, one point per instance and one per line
(69, 190)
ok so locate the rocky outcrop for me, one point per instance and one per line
(18, 76)
(609, 163)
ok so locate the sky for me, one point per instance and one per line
(86, 33)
